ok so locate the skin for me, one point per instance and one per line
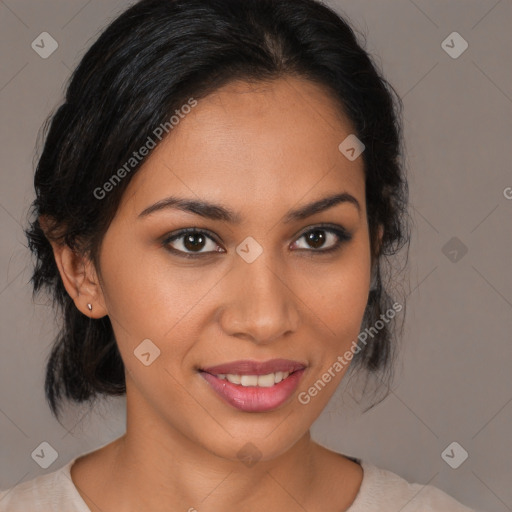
(260, 150)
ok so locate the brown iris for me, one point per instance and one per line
(316, 237)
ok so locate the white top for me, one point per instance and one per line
(380, 491)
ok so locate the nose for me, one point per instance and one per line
(260, 305)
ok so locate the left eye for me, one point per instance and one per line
(192, 241)
(317, 237)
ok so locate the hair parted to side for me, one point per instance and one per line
(146, 64)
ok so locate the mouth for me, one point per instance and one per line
(253, 386)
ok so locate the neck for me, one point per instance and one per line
(159, 468)
(189, 477)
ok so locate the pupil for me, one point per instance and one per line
(317, 237)
(191, 245)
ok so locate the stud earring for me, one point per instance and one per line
(89, 306)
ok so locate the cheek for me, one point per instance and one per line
(338, 293)
(349, 295)
(149, 296)
(139, 294)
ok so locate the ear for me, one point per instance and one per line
(79, 277)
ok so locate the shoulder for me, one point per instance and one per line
(51, 491)
(384, 491)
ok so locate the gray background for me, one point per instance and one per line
(453, 380)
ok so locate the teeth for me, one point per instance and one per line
(249, 380)
(234, 379)
(266, 381)
(262, 381)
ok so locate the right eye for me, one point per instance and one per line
(190, 239)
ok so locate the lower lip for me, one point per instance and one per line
(253, 398)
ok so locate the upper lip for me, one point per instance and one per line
(246, 367)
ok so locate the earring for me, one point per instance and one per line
(89, 306)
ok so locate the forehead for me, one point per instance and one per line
(253, 146)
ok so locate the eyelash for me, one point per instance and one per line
(342, 235)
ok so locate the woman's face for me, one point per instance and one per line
(259, 287)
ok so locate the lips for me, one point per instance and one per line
(246, 395)
(246, 367)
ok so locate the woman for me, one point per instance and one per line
(213, 205)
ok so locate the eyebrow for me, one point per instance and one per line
(219, 212)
